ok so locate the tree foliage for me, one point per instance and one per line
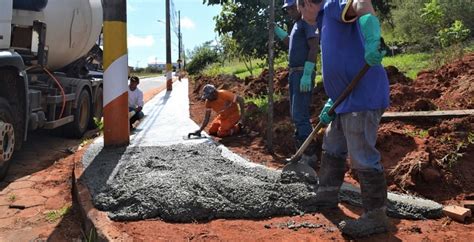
(246, 23)
(201, 57)
(421, 22)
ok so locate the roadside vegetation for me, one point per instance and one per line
(421, 34)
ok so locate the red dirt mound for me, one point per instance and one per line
(429, 157)
(450, 87)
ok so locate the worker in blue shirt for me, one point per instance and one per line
(303, 48)
(350, 38)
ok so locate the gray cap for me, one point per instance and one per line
(208, 90)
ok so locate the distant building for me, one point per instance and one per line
(161, 66)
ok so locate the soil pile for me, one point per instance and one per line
(428, 157)
(451, 87)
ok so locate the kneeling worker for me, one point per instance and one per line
(135, 100)
(229, 119)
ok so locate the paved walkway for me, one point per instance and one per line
(164, 109)
(167, 122)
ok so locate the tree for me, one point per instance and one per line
(201, 57)
(246, 23)
(420, 22)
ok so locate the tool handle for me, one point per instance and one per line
(331, 112)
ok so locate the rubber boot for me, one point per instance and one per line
(374, 200)
(309, 156)
(331, 176)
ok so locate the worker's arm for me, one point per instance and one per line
(241, 103)
(313, 49)
(206, 120)
(306, 81)
(282, 35)
(364, 12)
(140, 102)
(359, 8)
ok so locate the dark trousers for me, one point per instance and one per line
(136, 117)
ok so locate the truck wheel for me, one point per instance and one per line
(82, 115)
(97, 108)
(7, 137)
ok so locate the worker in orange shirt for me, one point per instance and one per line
(230, 116)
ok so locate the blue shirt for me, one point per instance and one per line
(342, 45)
(298, 44)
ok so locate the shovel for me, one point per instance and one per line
(302, 172)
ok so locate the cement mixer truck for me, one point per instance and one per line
(46, 51)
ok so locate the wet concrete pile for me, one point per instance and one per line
(188, 183)
(197, 183)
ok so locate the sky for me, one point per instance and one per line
(147, 33)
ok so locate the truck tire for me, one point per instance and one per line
(7, 137)
(97, 109)
(82, 116)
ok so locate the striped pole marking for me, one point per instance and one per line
(116, 122)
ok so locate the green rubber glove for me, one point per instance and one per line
(324, 116)
(370, 27)
(280, 33)
(305, 82)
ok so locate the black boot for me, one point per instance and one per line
(331, 176)
(374, 200)
(309, 156)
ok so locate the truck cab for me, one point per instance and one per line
(47, 49)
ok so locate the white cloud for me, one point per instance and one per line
(136, 41)
(187, 23)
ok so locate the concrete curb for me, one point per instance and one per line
(96, 223)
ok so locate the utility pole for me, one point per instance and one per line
(169, 66)
(179, 45)
(116, 122)
(271, 37)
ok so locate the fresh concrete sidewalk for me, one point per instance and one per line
(163, 174)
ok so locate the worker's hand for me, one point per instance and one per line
(280, 33)
(370, 27)
(324, 117)
(306, 79)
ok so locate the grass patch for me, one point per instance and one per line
(54, 215)
(238, 68)
(261, 103)
(417, 133)
(409, 64)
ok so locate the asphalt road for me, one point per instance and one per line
(151, 83)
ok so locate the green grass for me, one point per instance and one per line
(261, 103)
(239, 69)
(54, 215)
(409, 64)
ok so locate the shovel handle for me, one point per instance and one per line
(331, 112)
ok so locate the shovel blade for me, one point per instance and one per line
(298, 172)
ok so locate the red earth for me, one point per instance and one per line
(418, 154)
(431, 158)
(413, 154)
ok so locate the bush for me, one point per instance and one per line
(455, 34)
(420, 23)
(202, 56)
